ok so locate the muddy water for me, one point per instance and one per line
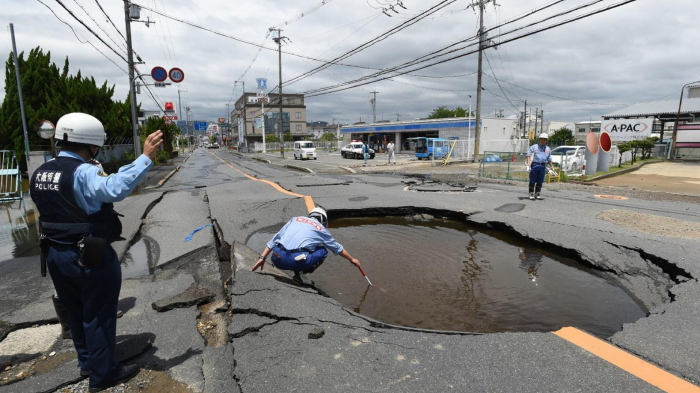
(447, 275)
(141, 259)
(18, 232)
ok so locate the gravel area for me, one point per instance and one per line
(652, 224)
(31, 340)
(148, 381)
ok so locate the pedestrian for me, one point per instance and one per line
(537, 158)
(365, 150)
(300, 246)
(390, 150)
(78, 224)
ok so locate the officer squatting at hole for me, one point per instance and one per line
(537, 158)
(300, 246)
(78, 224)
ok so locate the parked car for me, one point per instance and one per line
(572, 157)
(355, 150)
(304, 149)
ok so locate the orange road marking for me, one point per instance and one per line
(630, 363)
(308, 200)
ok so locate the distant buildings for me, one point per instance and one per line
(247, 110)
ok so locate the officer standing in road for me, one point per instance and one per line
(78, 224)
(301, 244)
(537, 158)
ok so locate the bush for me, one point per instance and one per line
(129, 156)
(161, 157)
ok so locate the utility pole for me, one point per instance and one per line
(537, 111)
(374, 106)
(21, 99)
(525, 130)
(398, 116)
(279, 50)
(477, 126)
(542, 120)
(132, 94)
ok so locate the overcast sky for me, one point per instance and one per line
(638, 52)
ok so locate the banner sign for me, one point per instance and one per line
(240, 130)
(624, 130)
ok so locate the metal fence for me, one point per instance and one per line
(513, 166)
(10, 177)
(461, 150)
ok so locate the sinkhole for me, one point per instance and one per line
(449, 275)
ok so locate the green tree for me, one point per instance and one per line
(646, 145)
(49, 92)
(328, 136)
(170, 133)
(443, 112)
(288, 137)
(271, 138)
(563, 136)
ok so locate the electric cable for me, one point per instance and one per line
(100, 27)
(109, 19)
(322, 91)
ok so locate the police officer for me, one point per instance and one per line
(301, 244)
(538, 157)
(78, 223)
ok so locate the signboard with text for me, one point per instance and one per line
(624, 130)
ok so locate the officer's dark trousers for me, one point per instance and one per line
(537, 172)
(91, 297)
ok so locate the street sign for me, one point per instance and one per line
(222, 120)
(161, 84)
(262, 83)
(159, 74)
(177, 75)
(261, 94)
(258, 123)
(200, 125)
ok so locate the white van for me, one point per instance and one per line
(304, 149)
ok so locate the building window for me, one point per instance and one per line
(597, 129)
(297, 115)
(581, 130)
(298, 126)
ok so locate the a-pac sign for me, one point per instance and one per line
(628, 129)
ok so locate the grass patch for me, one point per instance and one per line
(626, 165)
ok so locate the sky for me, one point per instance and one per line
(639, 52)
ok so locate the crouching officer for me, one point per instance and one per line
(300, 246)
(78, 224)
(538, 157)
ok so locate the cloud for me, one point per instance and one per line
(634, 53)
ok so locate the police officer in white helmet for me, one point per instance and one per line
(300, 246)
(78, 224)
(538, 157)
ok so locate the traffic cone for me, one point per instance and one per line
(583, 170)
(512, 159)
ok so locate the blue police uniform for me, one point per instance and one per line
(74, 200)
(302, 236)
(541, 156)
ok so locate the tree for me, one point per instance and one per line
(328, 136)
(563, 136)
(170, 133)
(623, 147)
(272, 138)
(288, 137)
(647, 145)
(49, 92)
(443, 112)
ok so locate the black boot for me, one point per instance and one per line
(62, 314)
(538, 188)
(531, 192)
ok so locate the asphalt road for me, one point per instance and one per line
(281, 337)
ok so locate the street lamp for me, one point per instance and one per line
(469, 137)
(678, 119)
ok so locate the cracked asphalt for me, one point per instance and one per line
(261, 333)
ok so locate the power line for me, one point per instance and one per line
(110, 19)
(78, 38)
(499, 84)
(323, 91)
(373, 41)
(303, 14)
(90, 30)
(99, 26)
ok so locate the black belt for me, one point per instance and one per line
(294, 250)
(539, 163)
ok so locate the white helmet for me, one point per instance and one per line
(80, 128)
(320, 215)
(544, 135)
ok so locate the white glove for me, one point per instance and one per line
(552, 173)
(527, 168)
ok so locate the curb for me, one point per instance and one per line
(167, 177)
(262, 160)
(298, 168)
(622, 172)
(348, 169)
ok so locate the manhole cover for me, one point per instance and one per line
(618, 197)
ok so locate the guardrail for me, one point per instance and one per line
(10, 177)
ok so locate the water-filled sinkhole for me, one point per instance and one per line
(449, 275)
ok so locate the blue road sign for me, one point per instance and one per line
(159, 74)
(182, 125)
(200, 125)
(262, 83)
